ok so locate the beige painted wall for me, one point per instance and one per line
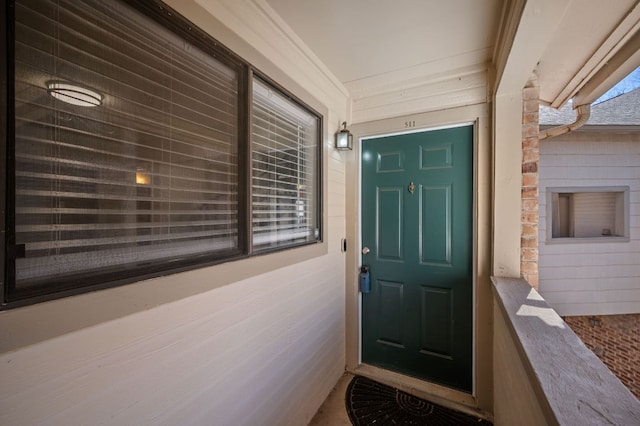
(512, 407)
(266, 350)
(258, 341)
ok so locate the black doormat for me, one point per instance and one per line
(372, 403)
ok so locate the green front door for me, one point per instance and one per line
(417, 224)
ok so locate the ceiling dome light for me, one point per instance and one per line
(74, 94)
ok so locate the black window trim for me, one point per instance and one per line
(175, 22)
(6, 134)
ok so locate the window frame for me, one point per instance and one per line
(6, 132)
(182, 27)
(550, 214)
(318, 164)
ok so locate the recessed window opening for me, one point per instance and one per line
(588, 213)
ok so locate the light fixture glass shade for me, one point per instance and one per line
(74, 94)
(344, 138)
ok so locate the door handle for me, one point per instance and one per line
(365, 250)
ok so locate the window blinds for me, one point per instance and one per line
(284, 154)
(151, 173)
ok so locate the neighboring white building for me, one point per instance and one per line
(589, 235)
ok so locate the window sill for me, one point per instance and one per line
(587, 240)
(32, 324)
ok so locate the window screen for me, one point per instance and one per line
(284, 154)
(149, 174)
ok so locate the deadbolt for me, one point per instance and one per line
(365, 250)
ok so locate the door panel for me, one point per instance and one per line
(417, 319)
(435, 222)
(391, 326)
(436, 157)
(389, 162)
(389, 205)
(436, 309)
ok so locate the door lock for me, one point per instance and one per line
(365, 250)
(364, 279)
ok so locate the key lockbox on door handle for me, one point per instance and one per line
(365, 279)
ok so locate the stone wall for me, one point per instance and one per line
(615, 339)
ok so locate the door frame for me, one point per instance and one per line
(478, 116)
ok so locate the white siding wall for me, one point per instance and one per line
(262, 351)
(265, 350)
(595, 277)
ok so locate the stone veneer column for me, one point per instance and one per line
(529, 204)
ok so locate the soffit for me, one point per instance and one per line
(376, 46)
(365, 39)
(587, 37)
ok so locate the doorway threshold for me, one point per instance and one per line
(438, 394)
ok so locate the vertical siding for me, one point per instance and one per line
(595, 277)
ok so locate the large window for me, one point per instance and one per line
(127, 146)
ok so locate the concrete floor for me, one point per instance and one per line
(333, 411)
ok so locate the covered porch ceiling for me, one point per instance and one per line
(573, 45)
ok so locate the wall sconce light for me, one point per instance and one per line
(74, 94)
(344, 138)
